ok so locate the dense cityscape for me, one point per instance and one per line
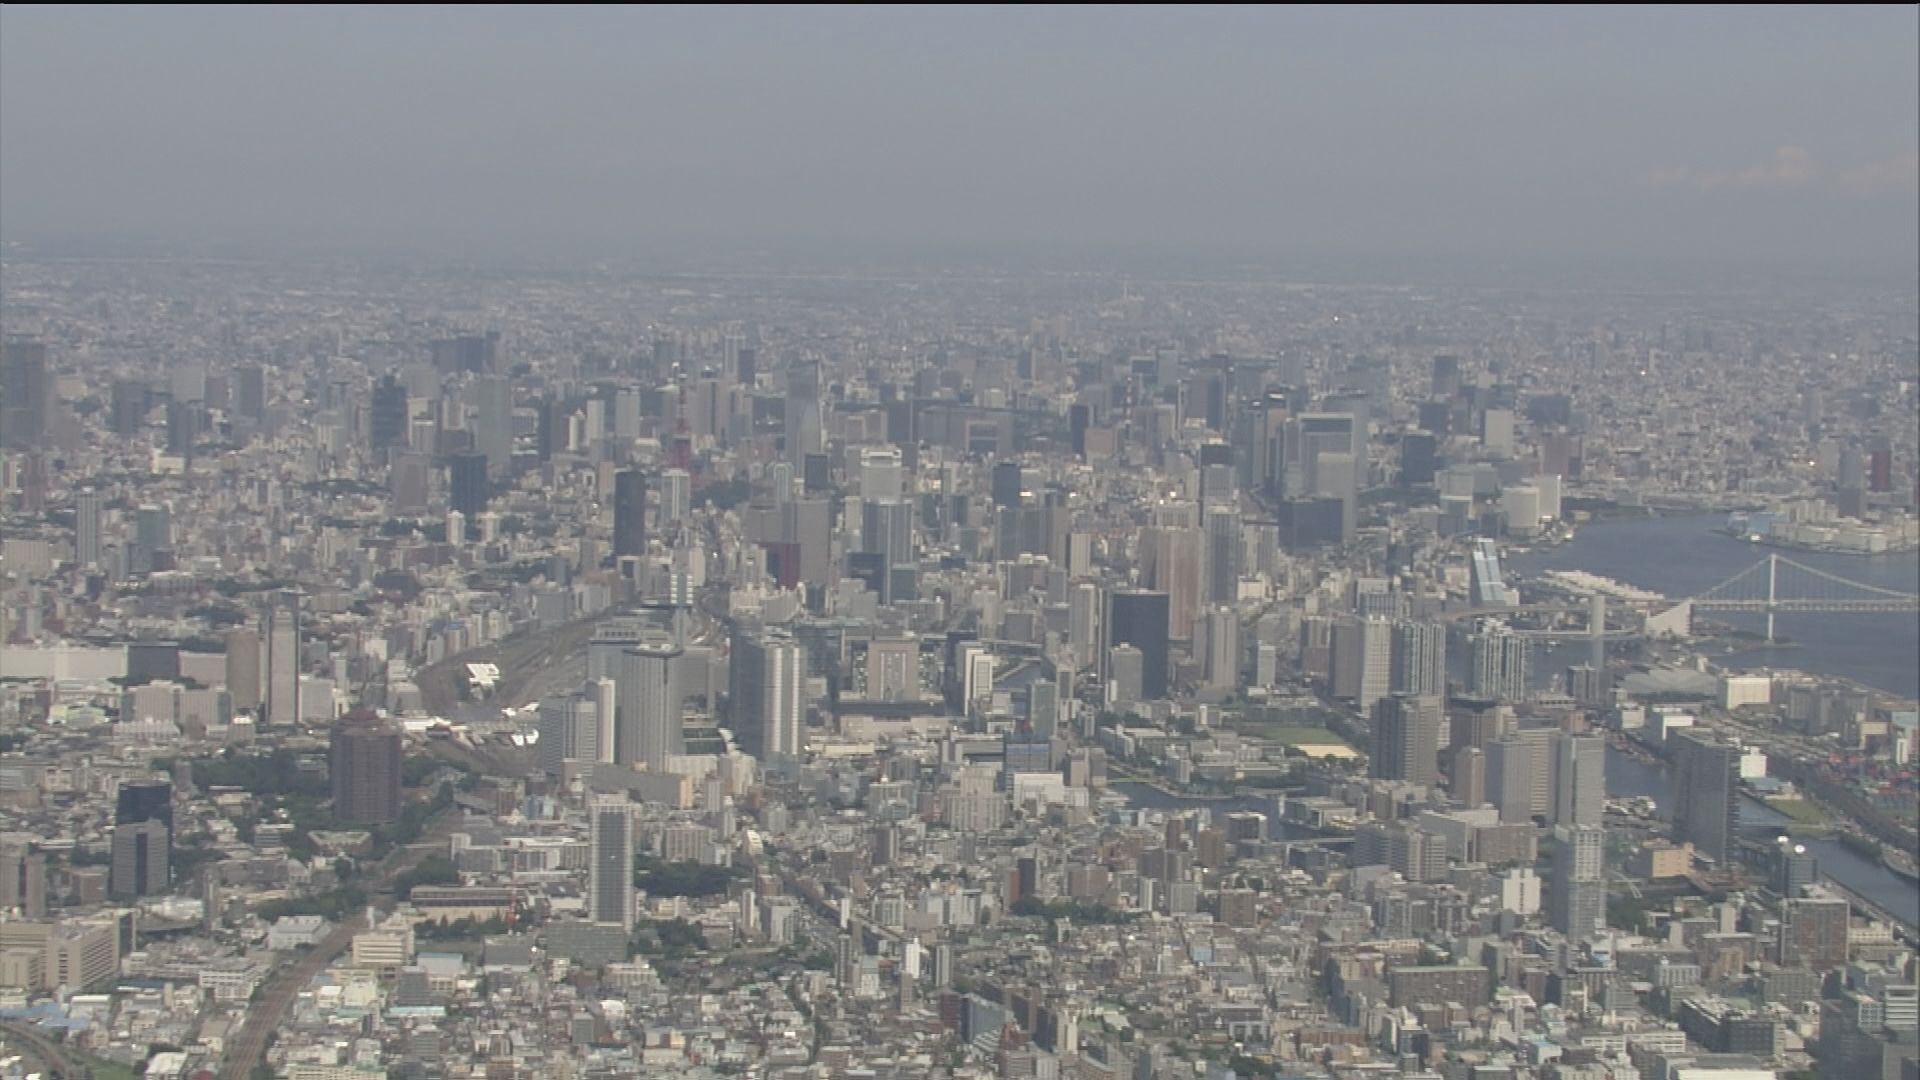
(422, 674)
(959, 542)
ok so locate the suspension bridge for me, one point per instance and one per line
(1778, 585)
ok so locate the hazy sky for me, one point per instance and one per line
(1767, 134)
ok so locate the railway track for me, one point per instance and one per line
(60, 1065)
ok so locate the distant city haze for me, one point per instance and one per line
(1777, 137)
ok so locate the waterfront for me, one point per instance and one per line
(1627, 776)
(1684, 556)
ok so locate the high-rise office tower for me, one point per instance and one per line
(1516, 769)
(606, 709)
(144, 800)
(1406, 739)
(676, 495)
(26, 393)
(388, 416)
(1223, 554)
(468, 489)
(283, 663)
(23, 878)
(1419, 658)
(364, 770)
(1706, 787)
(1083, 624)
(629, 513)
(1330, 461)
(183, 427)
(1126, 672)
(1467, 780)
(1795, 869)
(882, 473)
(569, 731)
(648, 727)
(89, 512)
(1173, 561)
(128, 403)
(1814, 932)
(1138, 617)
(152, 537)
(250, 393)
(1502, 664)
(1007, 484)
(1485, 586)
(1362, 660)
(1577, 905)
(142, 857)
(478, 353)
(243, 668)
(1219, 649)
(490, 397)
(768, 693)
(886, 529)
(1419, 458)
(610, 893)
(1579, 779)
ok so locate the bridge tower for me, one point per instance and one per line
(1773, 585)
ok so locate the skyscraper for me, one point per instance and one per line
(1139, 618)
(1813, 932)
(1579, 779)
(1219, 649)
(882, 473)
(1705, 791)
(1502, 664)
(629, 513)
(243, 668)
(144, 800)
(364, 770)
(1173, 561)
(569, 731)
(610, 893)
(1362, 660)
(768, 693)
(142, 854)
(250, 392)
(1577, 905)
(89, 510)
(26, 393)
(491, 399)
(1223, 555)
(1516, 770)
(23, 878)
(387, 414)
(1419, 658)
(648, 729)
(886, 529)
(467, 487)
(1406, 739)
(283, 663)
(1006, 484)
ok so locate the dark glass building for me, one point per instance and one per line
(364, 769)
(629, 513)
(1139, 618)
(467, 489)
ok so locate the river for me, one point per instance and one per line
(1627, 776)
(1684, 556)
